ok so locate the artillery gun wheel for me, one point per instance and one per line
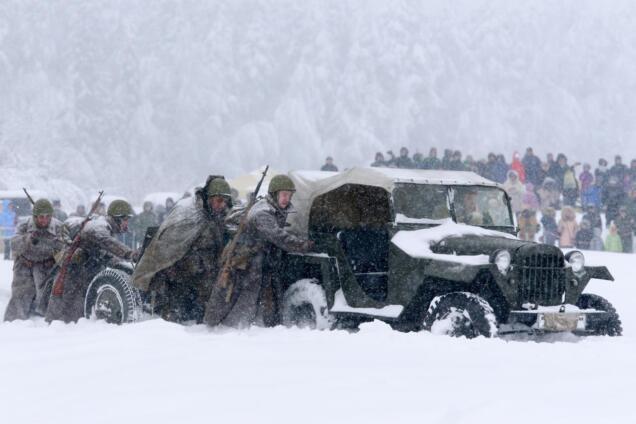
(461, 314)
(111, 297)
(305, 305)
(609, 325)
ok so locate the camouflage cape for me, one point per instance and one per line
(172, 242)
(255, 293)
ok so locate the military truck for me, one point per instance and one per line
(419, 250)
(430, 250)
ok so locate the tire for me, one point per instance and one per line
(111, 297)
(461, 314)
(609, 325)
(305, 305)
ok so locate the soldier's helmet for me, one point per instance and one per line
(281, 183)
(42, 207)
(120, 208)
(220, 187)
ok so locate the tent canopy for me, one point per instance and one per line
(246, 184)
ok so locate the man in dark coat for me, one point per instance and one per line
(614, 198)
(584, 236)
(619, 170)
(167, 209)
(501, 169)
(456, 163)
(251, 294)
(593, 216)
(80, 212)
(431, 162)
(601, 179)
(404, 161)
(38, 240)
(631, 174)
(553, 167)
(146, 219)
(532, 166)
(625, 226)
(329, 165)
(58, 213)
(448, 156)
(630, 203)
(98, 246)
(182, 261)
(490, 168)
(379, 161)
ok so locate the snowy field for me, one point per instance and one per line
(165, 373)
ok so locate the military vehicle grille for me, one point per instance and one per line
(542, 279)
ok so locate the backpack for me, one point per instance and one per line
(569, 180)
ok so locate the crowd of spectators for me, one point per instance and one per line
(549, 188)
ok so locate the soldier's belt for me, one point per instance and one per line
(30, 264)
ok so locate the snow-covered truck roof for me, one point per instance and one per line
(311, 184)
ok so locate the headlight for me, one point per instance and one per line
(502, 260)
(577, 261)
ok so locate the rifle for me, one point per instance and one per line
(228, 252)
(28, 196)
(58, 284)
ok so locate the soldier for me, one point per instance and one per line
(181, 263)
(35, 245)
(255, 292)
(98, 246)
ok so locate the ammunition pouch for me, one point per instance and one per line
(79, 256)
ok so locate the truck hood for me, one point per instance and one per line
(476, 245)
(454, 242)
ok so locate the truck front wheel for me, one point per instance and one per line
(461, 314)
(608, 325)
(305, 305)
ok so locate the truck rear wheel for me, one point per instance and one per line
(461, 314)
(608, 325)
(305, 305)
(111, 297)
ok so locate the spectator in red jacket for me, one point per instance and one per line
(518, 167)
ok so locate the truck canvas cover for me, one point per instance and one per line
(312, 184)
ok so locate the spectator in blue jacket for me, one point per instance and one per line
(7, 225)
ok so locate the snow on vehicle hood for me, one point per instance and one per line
(417, 243)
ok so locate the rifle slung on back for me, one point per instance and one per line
(58, 284)
(229, 258)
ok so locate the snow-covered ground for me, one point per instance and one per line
(165, 373)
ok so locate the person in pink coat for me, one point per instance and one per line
(567, 228)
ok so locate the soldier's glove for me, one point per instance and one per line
(79, 256)
(136, 255)
(308, 246)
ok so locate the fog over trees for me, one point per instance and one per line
(139, 96)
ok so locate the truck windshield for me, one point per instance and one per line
(420, 204)
(483, 206)
(429, 204)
